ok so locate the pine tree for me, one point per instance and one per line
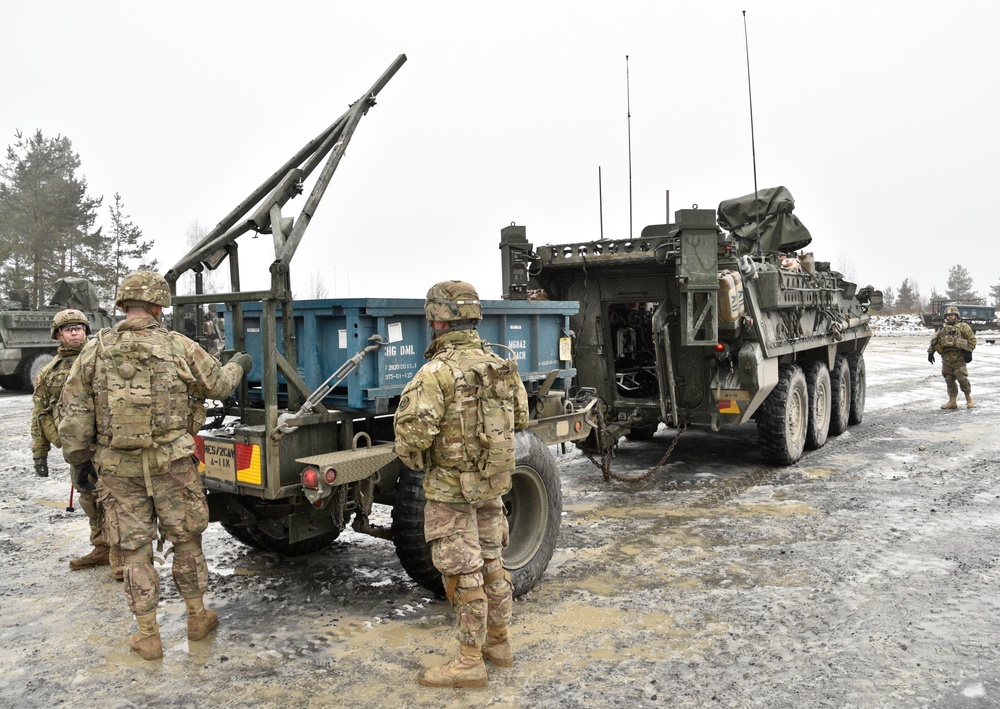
(959, 284)
(908, 298)
(46, 217)
(121, 252)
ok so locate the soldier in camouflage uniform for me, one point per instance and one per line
(70, 328)
(133, 401)
(456, 421)
(954, 342)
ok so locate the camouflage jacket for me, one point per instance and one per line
(437, 417)
(48, 386)
(113, 410)
(953, 339)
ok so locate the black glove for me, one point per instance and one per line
(930, 357)
(244, 360)
(42, 467)
(84, 476)
(968, 356)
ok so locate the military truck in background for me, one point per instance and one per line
(715, 319)
(976, 313)
(26, 343)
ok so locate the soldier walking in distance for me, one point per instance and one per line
(954, 342)
(70, 327)
(132, 402)
(456, 421)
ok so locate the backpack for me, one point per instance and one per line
(495, 427)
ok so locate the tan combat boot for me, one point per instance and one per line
(146, 642)
(951, 404)
(497, 648)
(117, 560)
(466, 670)
(200, 619)
(98, 556)
(968, 401)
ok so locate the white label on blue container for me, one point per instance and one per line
(395, 331)
(342, 339)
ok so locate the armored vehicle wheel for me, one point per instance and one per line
(856, 365)
(32, 367)
(784, 418)
(840, 396)
(534, 510)
(818, 386)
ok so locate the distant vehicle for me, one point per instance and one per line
(26, 343)
(976, 313)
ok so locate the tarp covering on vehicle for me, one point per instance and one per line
(73, 292)
(778, 228)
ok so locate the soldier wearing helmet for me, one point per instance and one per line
(70, 327)
(954, 342)
(456, 421)
(127, 418)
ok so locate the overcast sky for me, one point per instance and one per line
(881, 118)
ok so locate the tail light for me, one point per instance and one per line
(310, 479)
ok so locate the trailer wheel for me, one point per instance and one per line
(32, 367)
(818, 386)
(781, 427)
(534, 513)
(243, 534)
(840, 396)
(10, 382)
(642, 433)
(261, 535)
(856, 365)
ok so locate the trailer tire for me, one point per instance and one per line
(254, 534)
(32, 366)
(10, 382)
(642, 433)
(781, 427)
(856, 365)
(818, 386)
(840, 396)
(534, 513)
(243, 534)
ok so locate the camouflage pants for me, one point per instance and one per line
(466, 541)
(92, 507)
(955, 373)
(177, 511)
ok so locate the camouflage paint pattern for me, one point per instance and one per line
(952, 342)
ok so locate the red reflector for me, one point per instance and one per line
(720, 347)
(330, 475)
(310, 479)
(244, 454)
(199, 448)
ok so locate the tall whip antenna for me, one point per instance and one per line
(753, 145)
(628, 109)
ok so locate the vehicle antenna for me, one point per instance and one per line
(628, 110)
(753, 146)
(600, 201)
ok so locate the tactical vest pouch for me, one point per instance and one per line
(129, 394)
(495, 432)
(196, 415)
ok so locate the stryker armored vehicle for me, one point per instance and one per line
(715, 319)
(26, 343)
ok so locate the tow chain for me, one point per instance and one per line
(605, 464)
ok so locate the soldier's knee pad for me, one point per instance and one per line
(465, 589)
(142, 555)
(494, 571)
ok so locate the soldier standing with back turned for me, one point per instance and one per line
(456, 421)
(954, 342)
(70, 327)
(133, 401)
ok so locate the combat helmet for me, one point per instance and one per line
(143, 287)
(455, 302)
(71, 316)
(952, 310)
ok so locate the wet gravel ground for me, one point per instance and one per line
(864, 576)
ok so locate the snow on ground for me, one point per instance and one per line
(899, 325)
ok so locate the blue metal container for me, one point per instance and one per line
(331, 331)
